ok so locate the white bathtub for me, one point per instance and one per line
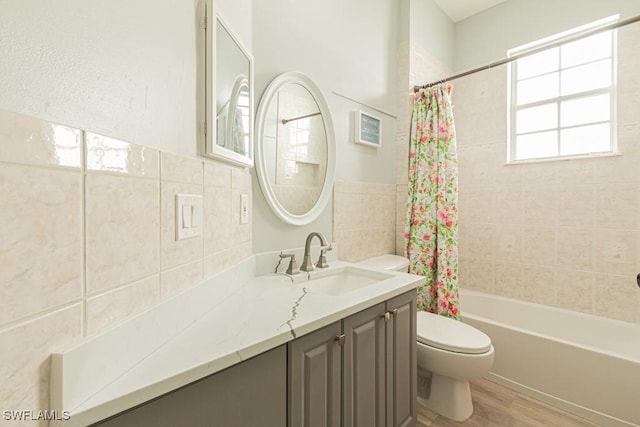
(585, 364)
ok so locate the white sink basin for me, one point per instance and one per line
(342, 280)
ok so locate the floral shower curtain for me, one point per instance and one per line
(431, 229)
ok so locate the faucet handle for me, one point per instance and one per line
(293, 264)
(322, 260)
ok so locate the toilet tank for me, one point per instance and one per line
(387, 262)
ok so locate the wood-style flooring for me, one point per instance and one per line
(498, 406)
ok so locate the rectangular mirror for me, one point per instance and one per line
(229, 97)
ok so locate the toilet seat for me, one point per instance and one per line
(451, 335)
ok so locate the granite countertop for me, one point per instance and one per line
(226, 319)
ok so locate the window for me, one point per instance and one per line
(563, 98)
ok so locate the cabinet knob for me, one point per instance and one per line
(395, 313)
(340, 340)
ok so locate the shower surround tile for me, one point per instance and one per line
(617, 206)
(575, 248)
(509, 279)
(575, 289)
(40, 240)
(576, 206)
(479, 275)
(540, 206)
(509, 206)
(538, 285)
(616, 251)
(580, 218)
(617, 297)
(507, 243)
(539, 245)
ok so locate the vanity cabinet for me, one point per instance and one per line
(367, 362)
(357, 372)
(402, 367)
(251, 393)
(315, 390)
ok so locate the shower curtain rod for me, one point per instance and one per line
(515, 57)
(285, 121)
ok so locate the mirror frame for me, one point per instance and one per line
(327, 188)
(210, 148)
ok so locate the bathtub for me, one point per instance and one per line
(584, 364)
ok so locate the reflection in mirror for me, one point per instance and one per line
(298, 154)
(295, 148)
(231, 137)
(236, 119)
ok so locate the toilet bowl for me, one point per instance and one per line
(453, 352)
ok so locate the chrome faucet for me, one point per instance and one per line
(307, 265)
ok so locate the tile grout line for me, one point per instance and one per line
(203, 217)
(159, 231)
(39, 315)
(83, 259)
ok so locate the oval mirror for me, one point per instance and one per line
(295, 148)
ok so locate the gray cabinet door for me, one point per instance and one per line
(401, 361)
(252, 393)
(314, 379)
(364, 385)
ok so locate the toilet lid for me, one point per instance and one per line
(451, 335)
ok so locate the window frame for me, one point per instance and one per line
(546, 44)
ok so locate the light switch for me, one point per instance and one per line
(196, 216)
(188, 216)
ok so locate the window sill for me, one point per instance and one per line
(563, 158)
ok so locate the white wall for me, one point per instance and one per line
(347, 47)
(487, 36)
(124, 69)
(120, 68)
(433, 30)
(239, 15)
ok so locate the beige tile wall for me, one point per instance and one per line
(363, 218)
(87, 239)
(564, 233)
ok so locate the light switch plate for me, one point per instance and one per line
(244, 209)
(188, 216)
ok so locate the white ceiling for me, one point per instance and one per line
(461, 9)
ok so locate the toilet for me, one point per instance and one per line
(451, 351)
